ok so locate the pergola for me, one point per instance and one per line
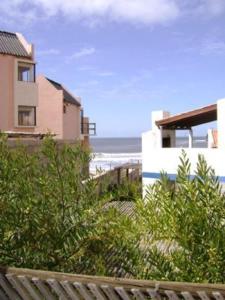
(187, 120)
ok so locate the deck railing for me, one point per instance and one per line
(88, 128)
(31, 284)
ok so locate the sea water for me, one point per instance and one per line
(108, 153)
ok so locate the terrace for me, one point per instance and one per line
(161, 147)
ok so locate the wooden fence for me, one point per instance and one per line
(126, 172)
(30, 284)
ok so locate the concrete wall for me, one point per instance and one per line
(221, 123)
(50, 108)
(14, 93)
(156, 159)
(25, 94)
(71, 122)
(6, 92)
(158, 134)
(168, 160)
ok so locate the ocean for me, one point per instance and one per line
(108, 153)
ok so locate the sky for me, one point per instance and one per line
(126, 58)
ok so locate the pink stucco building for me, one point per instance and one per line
(18, 87)
(59, 111)
(36, 105)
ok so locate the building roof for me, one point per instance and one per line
(11, 45)
(68, 97)
(189, 119)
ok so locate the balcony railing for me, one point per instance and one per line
(88, 128)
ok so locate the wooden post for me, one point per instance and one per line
(127, 173)
(118, 175)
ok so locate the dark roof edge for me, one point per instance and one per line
(74, 99)
(185, 115)
(8, 32)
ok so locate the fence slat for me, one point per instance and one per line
(203, 295)
(3, 296)
(29, 287)
(96, 291)
(123, 294)
(70, 290)
(57, 289)
(217, 296)
(171, 295)
(138, 294)
(25, 284)
(18, 286)
(187, 295)
(153, 294)
(83, 291)
(10, 292)
(110, 293)
(42, 287)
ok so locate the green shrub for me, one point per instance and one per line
(51, 216)
(184, 226)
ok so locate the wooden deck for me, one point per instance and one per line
(30, 284)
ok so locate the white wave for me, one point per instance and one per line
(108, 161)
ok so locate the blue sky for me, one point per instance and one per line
(125, 58)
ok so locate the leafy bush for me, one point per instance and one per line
(54, 218)
(184, 224)
(51, 218)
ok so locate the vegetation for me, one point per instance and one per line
(53, 218)
(185, 225)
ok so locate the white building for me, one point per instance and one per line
(159, 149)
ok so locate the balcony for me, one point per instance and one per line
(88, 128)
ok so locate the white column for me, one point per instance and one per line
(210, 138)
(221, 123)
(161, 138)
(190, 138)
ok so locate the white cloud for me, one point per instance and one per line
(82, 52)
(215, 7)
(213, 47)
(105, 74)
(135, 11)
(86, 68)
(48, 52)
(12, 12)
(94, 12)
(95, 71)
(210, 7)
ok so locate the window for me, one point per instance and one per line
(26, 72)
(26, 115)
(64, 109)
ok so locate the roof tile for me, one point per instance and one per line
(10, 44)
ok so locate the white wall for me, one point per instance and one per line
(168, 160)
(156, 159)
(221, 123)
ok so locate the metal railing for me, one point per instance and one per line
(88, 128)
